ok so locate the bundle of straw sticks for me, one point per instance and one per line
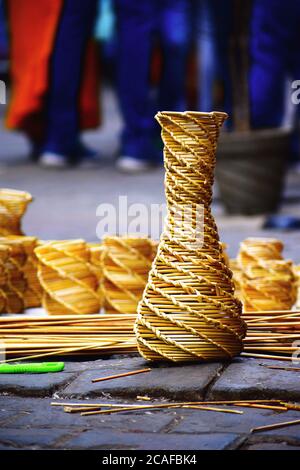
(270, 335)
(40, 336)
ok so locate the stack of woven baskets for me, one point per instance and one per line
(265, 281)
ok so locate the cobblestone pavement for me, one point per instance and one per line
(65, 207)
(28, 421)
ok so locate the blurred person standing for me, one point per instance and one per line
(54, 77)
(139, 25)
(275, 59)
(214, 23)
(3, 38)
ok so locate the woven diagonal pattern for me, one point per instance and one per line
(4, 254)
(96, 251)
(126, 263)
(296, 271)
(13, 204)
(33, 292)
(13, 282)
(188, 311)
(67, 279)
(267, 281)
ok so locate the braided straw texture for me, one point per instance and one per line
(96, 252)
(237, 276)
(13, 204)
(296, 271)
(33, 292)
(13, 282)
(126, 263)
(255, 250)
(188, 311)
(267, 281)
(67, 279)
(4, 254)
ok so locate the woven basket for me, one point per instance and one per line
(70, 286)
(33, 292)
(4, 254)
(96, 252)
(126, 263)
(15, 284)
(251, 169)
(188, 311)
(13, 205)
(296, 271)
(267, 281)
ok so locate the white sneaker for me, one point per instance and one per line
(132, 165)
(53, 160)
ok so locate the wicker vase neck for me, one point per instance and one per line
(190, 141)
(188, 311)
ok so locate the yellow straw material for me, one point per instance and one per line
(267, 281)
(69, 284)
(33, 293)
(188, 311)
(13, 205)
(14, 284)
(126, 263)
(96, 255)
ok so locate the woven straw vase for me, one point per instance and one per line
(188, 311)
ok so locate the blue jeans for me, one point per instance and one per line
(74, 29)
(275, 57)
(213, 34)
(138, 22)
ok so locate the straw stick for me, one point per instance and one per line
(269, 356)
(169, 405)
(54, 353)
(90, 405)
(79, 409)
(127, 408)
(118, 405)
(269, 427)
(281, 367)
(291, 406)
(267, 407)
(210, 408)
(125, 374)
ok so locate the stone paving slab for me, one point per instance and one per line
(270, 446)
(28, 413)
(246, 378)
(196, 421)
(34, 384)
(28, 421)
(146, 441)
(188, 382)
(203, 421)
(36, 438)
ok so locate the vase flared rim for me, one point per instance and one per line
(193, 113)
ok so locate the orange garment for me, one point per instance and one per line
(33, 25)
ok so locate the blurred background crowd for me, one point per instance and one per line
(239, 56)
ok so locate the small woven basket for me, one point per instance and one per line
(69, 284)
(14, 286)
(13, 205)
(267, 281)
(125, 263)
